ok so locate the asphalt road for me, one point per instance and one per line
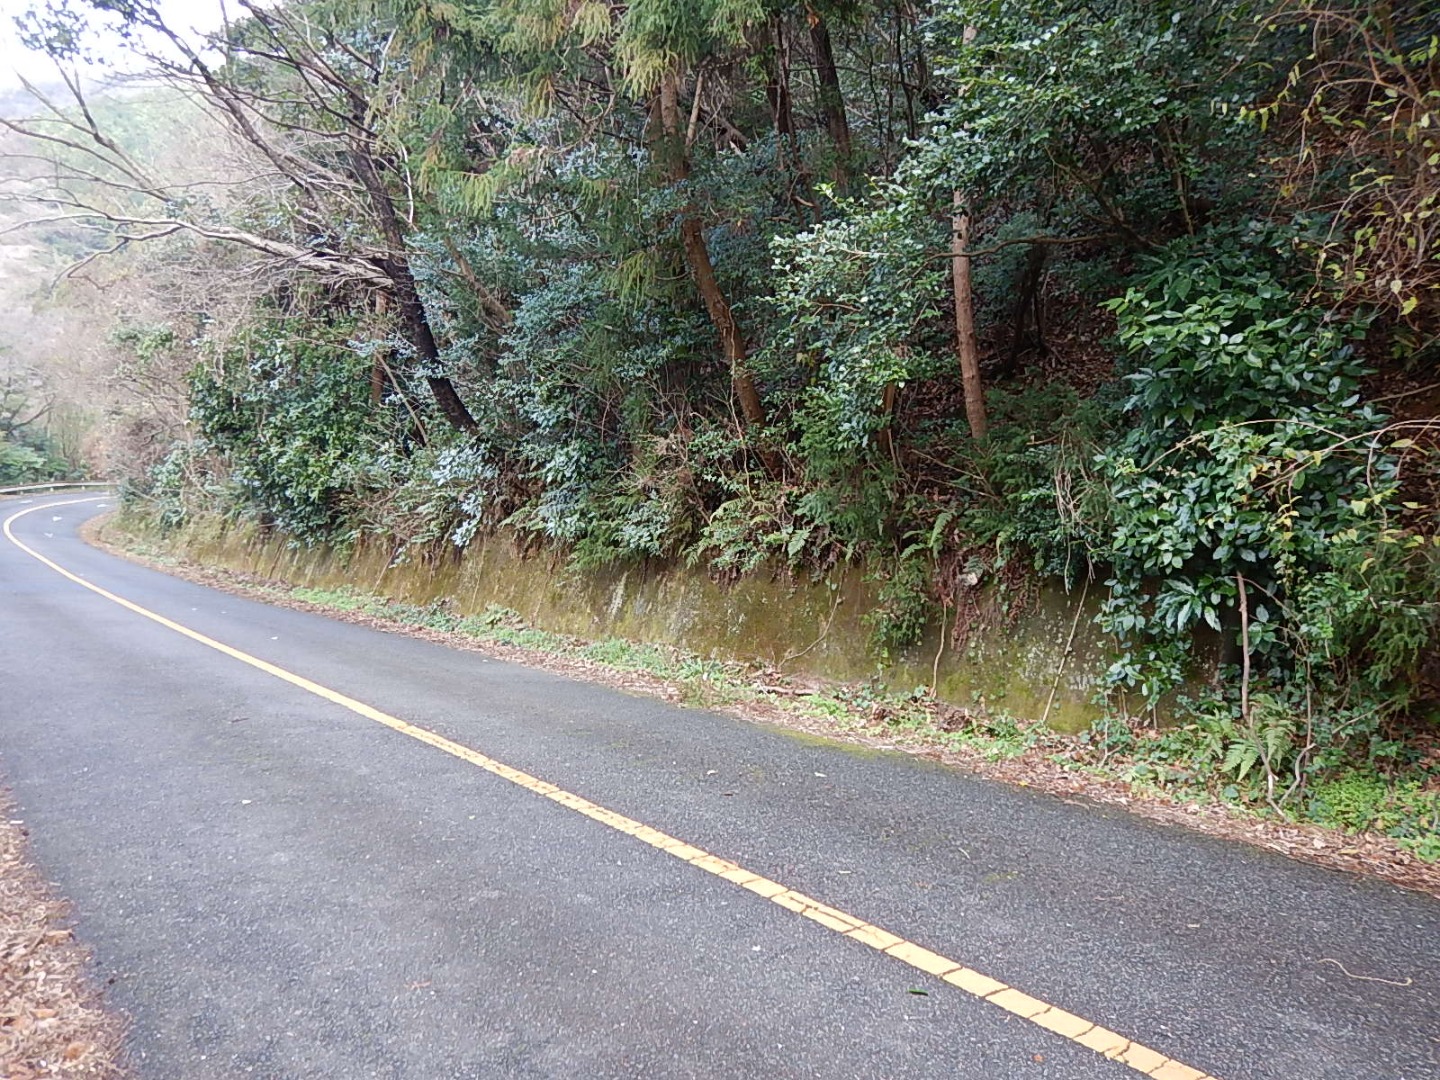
(275, 886)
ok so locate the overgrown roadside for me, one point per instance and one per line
(998, 747)
(52, 1022)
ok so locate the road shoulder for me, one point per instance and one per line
(53, 1022)
(927, 729)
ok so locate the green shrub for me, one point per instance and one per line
(1254, 487)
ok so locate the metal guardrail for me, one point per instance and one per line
(55, 487)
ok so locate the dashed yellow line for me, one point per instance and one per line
(1067, 1025)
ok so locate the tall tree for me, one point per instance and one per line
(967, 347)
(308, 95)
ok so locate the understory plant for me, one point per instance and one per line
(1257, 498)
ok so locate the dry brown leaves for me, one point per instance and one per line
(1375, 856)
(51, 1022)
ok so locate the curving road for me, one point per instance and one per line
(302, 848)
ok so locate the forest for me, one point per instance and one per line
(1139, 297)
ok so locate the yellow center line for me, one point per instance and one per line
(1076, 1029)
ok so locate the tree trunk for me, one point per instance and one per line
(776, 59)
(377, 362)
(413, 320)
(777, 81)
(1027, 311)
(832, 101)
(496, 313)
(451, 407)
(885, 437)
(966, 345)
(697, 256)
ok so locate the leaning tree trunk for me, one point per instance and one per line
(697, 256)
(409, 308)
(966, 345)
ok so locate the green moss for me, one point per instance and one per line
(809, 628)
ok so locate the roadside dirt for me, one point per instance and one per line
(52, 1023)
(775, 700)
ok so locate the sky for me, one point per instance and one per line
(16, 60)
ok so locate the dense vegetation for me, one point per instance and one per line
(1139, 293)
(29, 450)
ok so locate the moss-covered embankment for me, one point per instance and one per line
(1040, 661)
